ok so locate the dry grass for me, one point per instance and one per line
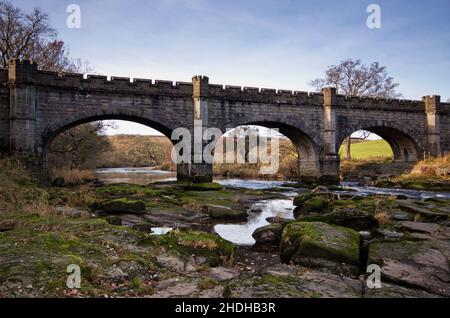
(433, 167)
(382, 217)
(72, 177)
(81, 199)
(43, 208)
(208, 244)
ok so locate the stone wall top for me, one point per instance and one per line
(355, 102)
(264, 95)
(77, 82)
(114, 83)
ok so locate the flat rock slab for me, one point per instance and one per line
(425, 210)
(419, 264)
(283, 281)
(223, 273)
(429, 228)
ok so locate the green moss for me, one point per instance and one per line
(127, 189)
(187, 243)
(320, 240)
(213, 186)
(124, 205)
(207, 283)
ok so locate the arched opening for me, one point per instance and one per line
(380, 150)
(111, 150)
(291, 154)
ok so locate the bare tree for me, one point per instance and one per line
(79, 147)
(353, 78)
(30, 36)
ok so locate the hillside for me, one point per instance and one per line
(370, 149)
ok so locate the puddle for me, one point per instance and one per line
(241, 234)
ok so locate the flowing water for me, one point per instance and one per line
(241, 234)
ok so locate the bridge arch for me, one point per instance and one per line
(405, 148)
(50, 133)
(308, 150)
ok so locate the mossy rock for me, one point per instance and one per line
(269, 234)
(226, 213)
(212, 186)
(313, 203)
(212, 247)
(125, 206)
(351, 218)
(319, 240)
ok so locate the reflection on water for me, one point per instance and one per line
(141, 176)
(241, 234)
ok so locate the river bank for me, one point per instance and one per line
(109, 230)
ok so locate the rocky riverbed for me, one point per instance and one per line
(280, 240)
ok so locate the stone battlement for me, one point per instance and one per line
(75, 81)
(114, 83)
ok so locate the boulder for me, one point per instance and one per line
(125, 206)
(351, 218)
(419, 264)
(310, 240)
(279, 220)
(312, 203)
(226, 213)
(269, 234)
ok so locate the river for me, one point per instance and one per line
(241, 234)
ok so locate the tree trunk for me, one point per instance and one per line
(348, 155)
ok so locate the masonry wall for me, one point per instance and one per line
(445, 127)
(317, 123)
(70, 100)
(4, 110)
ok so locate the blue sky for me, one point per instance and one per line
(263, 43)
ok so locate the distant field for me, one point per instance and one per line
(368, 149)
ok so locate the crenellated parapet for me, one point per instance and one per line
(382, 104)
(23, 71)
(264, 95)
(113, 84)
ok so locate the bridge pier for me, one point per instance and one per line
(432, 105)
(194, 172)
(22, 106)
(329, 159)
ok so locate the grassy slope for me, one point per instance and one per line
(368, 149)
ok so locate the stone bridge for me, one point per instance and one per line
(35, 106)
